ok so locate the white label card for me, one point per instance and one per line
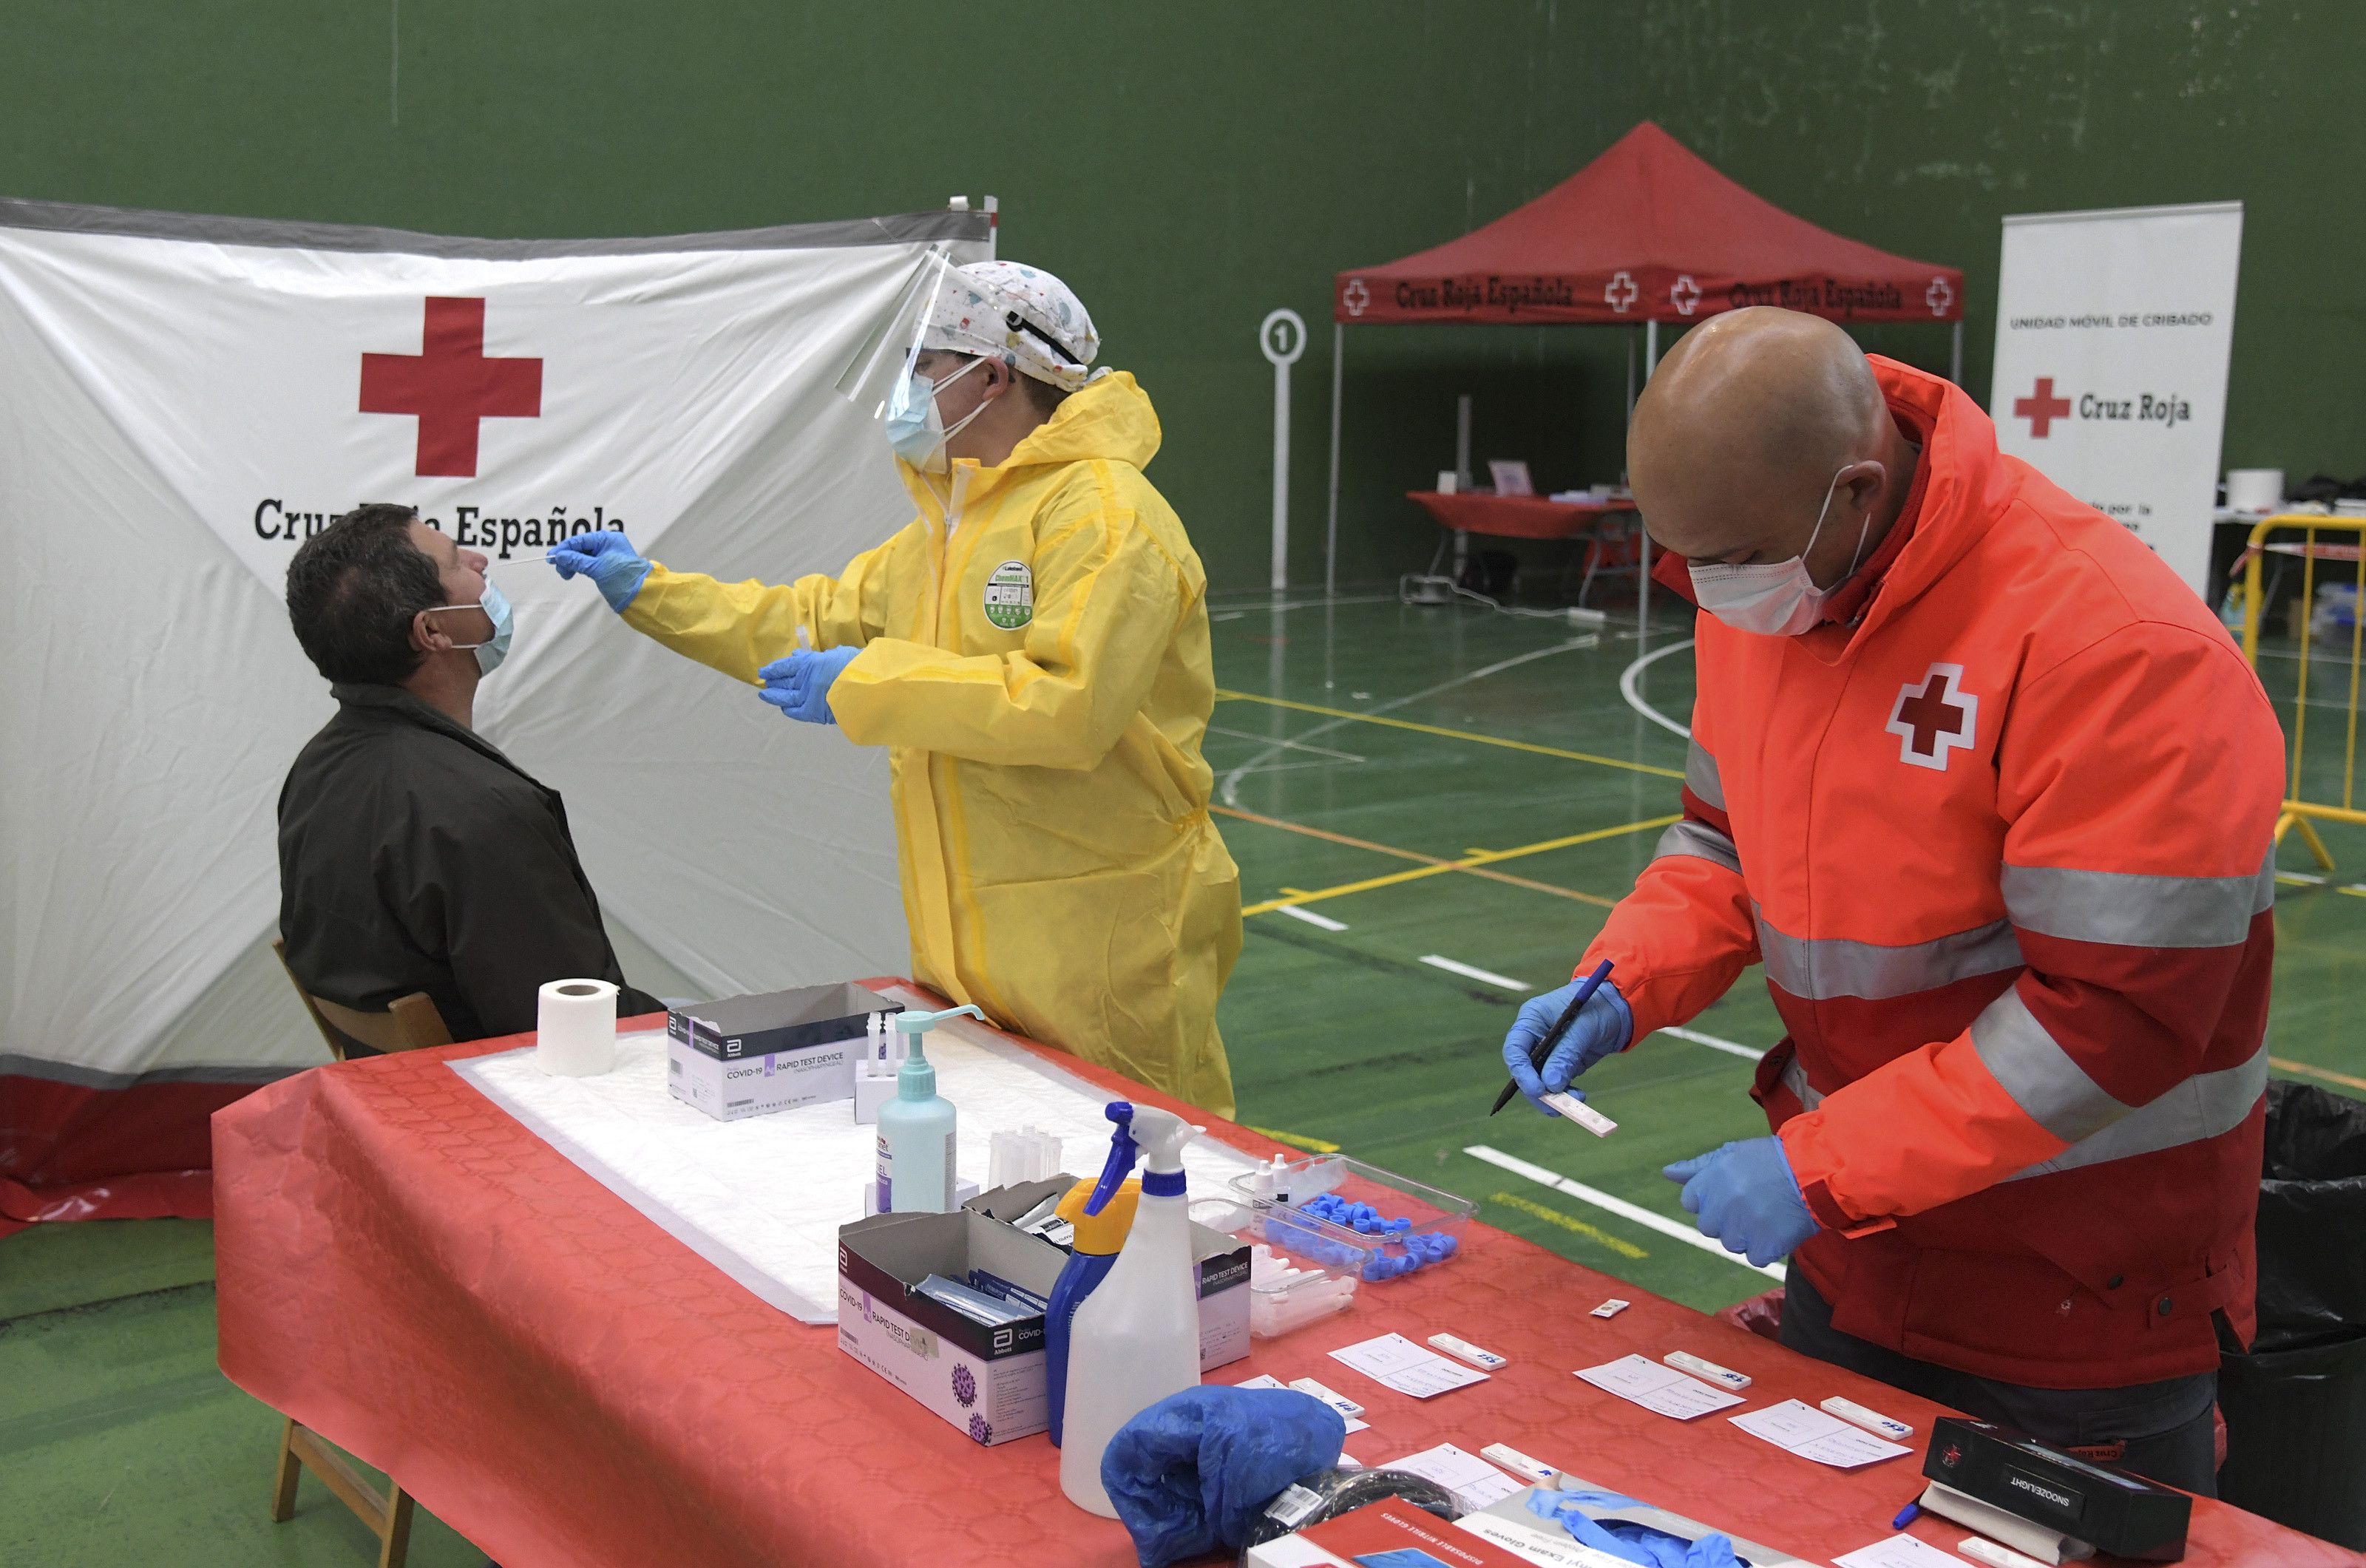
(1404, 1366)
(1811, 1434)
(1468, 1476)
(1655, 1387)
(1899, 1551)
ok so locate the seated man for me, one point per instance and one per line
(413, 856)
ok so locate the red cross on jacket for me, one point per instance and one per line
(2004, 844)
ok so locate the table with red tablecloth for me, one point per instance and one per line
(412, 1273)
(1515, 516)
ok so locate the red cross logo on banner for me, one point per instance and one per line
(1934, 720)
(2041, 408)
(449, 385)
(1938, 297)
(1620, 291)
(1356, 296)
(1684, 294)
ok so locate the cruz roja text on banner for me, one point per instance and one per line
(2112, 335)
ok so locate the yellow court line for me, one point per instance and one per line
(1328, 837)
(1295, 1140)
(1550, 1215)
(1224, 696)
(1486, 857)
(2327, 1073)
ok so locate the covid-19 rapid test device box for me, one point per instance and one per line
(752, 1056)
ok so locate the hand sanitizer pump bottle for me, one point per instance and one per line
(1136, 1339)
(916, 1128)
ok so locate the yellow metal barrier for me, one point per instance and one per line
(2305, 795)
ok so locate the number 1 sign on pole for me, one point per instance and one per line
(1283, 338)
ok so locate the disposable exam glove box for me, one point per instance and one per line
(775, 1051)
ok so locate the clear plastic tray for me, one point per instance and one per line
(1273, 1196)
(1296, 1290)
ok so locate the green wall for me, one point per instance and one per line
(1188, 168)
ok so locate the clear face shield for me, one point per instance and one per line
(887, 351)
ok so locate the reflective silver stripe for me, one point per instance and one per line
(1700, 776)
(1794, 1078)
(2132, 910)
(2203, 1106)
(1698, 838)
(1820, 968)
(2040, 1075)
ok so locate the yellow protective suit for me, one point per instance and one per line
(1035, 657)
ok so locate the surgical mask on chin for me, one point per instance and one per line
(496, 606)
(914, 429)
(1775, 598)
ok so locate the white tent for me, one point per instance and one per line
(184, 398)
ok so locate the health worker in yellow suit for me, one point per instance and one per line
(1032, 650)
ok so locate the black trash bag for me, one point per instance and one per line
(2312, 1231)
(2295, 1406)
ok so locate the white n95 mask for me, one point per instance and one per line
(1775, 598)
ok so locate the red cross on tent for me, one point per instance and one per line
(1935, 719)
(450, 385)
(2041, 408)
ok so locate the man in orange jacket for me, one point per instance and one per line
(1992, 795)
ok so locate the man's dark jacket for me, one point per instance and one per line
(413, 856)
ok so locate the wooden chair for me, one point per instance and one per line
(387, 1517)
(409, 1023)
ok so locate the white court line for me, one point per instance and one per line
(1630, 688)
(1469, 972)
(1229, 788)
(1310, 917)
(1618, 1206)
(1730, 1047)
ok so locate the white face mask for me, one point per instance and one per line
(1775, 598)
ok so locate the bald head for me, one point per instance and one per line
(1739, 435)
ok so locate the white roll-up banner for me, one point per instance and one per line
(2112, 335)
(186, 399)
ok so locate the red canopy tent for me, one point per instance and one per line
(1648, 232)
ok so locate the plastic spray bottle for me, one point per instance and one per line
(1136, 1339)
(916, 1128)
(1093, 1250)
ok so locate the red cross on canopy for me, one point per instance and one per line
(2041, 408)
(450, 385)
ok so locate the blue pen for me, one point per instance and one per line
(1543, 1048)
(1906, 1516)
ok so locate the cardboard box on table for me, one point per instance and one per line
(988, 1381)
(774, 1050)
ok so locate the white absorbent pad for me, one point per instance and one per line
(762, 1199)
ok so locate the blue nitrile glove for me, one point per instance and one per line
(1747, 1198)
(1602, 1028)
(799, 684)
(1629, 1541)
(608, 558)
(1197, 1468)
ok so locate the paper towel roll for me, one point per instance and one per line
(576, 1028)
(2255, 489)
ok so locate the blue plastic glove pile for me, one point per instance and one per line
(1745, 1196)
(799, 684)
(1629, 1541)
(1601, 1028)
(1195, 1470)
(608, 558)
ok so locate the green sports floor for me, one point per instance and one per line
(1419, 784)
